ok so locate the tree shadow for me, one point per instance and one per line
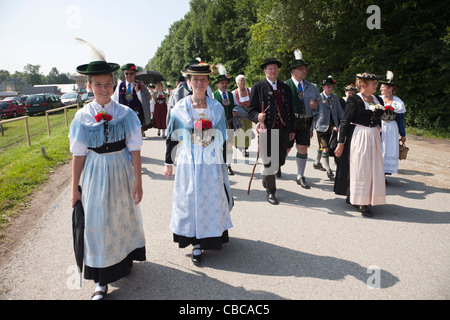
(411, 189)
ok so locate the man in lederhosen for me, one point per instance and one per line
(276, 99)
(305, 96)
(326, 122)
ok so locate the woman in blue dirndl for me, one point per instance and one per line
(104, 137)
(202, 198)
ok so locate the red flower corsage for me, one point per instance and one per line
(102, 115)
(203, 124)
(388, 107)
(133, 68)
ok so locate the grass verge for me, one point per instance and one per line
(24, 168)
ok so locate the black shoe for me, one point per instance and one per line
(347, 200)
(303, 183)
(272, 199)
(196, 258)
(330, 175)
(230, 171)
(319, 167)
(365, 211)
(100, 293)
(278, 174)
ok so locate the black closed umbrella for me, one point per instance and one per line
(78, 233)
(148, 77)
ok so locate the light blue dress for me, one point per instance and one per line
(113, 223)
(202, 198)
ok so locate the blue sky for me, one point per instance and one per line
(43, 32)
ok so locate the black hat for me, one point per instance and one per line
(198, 69)
(97, 67)
(180, 78)
(389, 79)
(329, 80)
(368, 75)
(129, 66)
(271, 61)
(350, 87)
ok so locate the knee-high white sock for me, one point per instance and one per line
(319, 156)
(326, 161)
(301, 164)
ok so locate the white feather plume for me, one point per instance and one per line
(198, 59)
(298, 54)
(390, 75)
(95, 53)
(221, 69)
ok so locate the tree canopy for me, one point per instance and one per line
(413, 41)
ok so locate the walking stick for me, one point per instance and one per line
(257, 156)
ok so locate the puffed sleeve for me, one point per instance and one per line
(349, 114)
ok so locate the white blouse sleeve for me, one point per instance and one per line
(134, 140)
(78, 149)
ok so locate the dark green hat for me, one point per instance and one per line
(271, 61)
(129, 66)
(221, 77)
(97, 67)
(329, 80)
(298, 63)
(180, 78)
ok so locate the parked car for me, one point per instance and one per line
(12, 108)
(87, 97)
(71, 98)
(37, 103)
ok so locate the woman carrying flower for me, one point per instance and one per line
(392, 124)
(103, 135)
(202, 198)
(363, 110)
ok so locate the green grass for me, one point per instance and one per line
(433, 134)
(24, 168)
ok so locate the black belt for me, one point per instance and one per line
(110, 147)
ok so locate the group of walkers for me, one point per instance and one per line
(107, 134)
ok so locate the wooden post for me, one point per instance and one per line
(27, 131)
(48, 123)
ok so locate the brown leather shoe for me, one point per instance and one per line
(365, 211)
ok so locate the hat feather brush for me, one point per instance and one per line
(95, 53)
(298, 54)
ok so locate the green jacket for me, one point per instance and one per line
(229, 108)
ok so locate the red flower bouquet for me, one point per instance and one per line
(388, 107)
(203, 124)
(102, 115)
(201, 136)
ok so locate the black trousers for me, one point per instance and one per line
(282, 141)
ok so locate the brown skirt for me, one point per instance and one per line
(160, 115)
